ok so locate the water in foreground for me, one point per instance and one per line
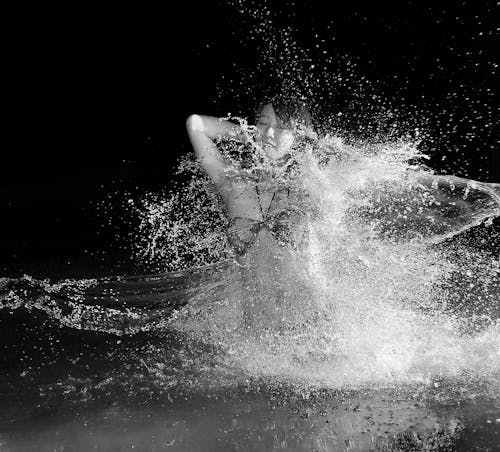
(79, 392)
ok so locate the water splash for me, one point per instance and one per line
(381, 292)
(373, 294)
(379, 286)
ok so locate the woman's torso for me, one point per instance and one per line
(259, 206)
(256, 199)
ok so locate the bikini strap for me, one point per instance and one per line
(264, 216)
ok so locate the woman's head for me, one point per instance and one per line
(277, 118)
(290, 111)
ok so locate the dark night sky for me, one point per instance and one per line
(95, 95)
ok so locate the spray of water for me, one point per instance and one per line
(373, 297)
(379, 291)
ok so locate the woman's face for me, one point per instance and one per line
(274, 134)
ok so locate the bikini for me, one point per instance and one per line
(242, 232)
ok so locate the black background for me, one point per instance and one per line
(96, 98)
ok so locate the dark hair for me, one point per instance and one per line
(288, 109)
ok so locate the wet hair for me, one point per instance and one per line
(288, 110)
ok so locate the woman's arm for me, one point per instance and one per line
(202, 131)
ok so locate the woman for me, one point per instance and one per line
(262, 213)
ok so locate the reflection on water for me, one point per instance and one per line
(255, 423)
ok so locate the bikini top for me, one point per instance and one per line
(243, 231)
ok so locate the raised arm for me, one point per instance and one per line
(202, 131)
